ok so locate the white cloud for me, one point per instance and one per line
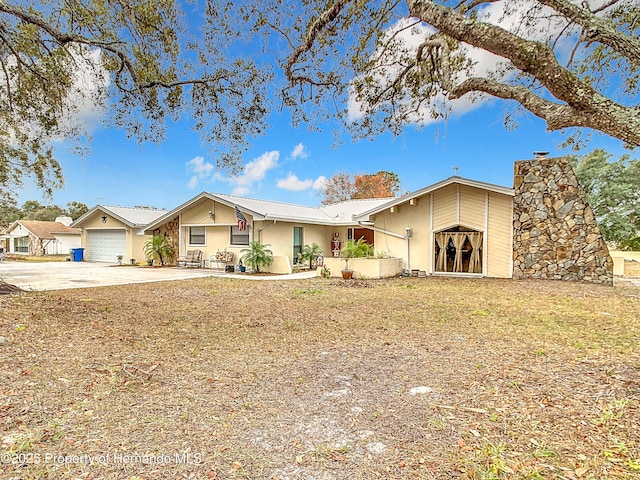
(293, 183)
(320, 183)
(200, 169)
(83, 107)
(513, 15)
(299, 152)
(252, 173)
(91, 81)
(255, 170)
(193, 182)
(240, 191)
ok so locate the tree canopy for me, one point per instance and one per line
(392, 63)
(34, 210)
(375, 65)
(133, 63)
(613, 191)
(342, 186)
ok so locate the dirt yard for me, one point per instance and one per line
(231, 379)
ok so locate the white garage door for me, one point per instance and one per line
(105, 245)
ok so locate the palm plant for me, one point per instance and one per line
(158, 248)
(257, 255)
(311, 253)
(355, 249)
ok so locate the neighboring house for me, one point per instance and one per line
(109, 232)
(209, 222)
(4, 240)
(35, 237)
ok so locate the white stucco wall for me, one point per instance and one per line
(64, 243)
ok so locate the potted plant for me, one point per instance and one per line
(256, 256)
(354, 249)
(119, 257)
(311, 253)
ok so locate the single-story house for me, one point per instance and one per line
(110, 232)
(543, 227)
(35, 237)
(212, 222)
(457, 226)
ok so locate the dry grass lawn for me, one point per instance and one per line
(235, 379)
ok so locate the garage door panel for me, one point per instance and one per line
(105, 245)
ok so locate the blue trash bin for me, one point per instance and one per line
(78, 254)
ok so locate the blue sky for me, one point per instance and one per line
(119, 171)
(288, 164)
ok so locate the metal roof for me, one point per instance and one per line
(336, 214)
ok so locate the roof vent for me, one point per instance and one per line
(540, 154)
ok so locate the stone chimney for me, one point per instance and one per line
(555, 233)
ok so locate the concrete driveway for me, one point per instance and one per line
(62, 275)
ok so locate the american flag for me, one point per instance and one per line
(242, 222)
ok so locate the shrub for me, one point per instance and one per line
(257, 255)
(158, 248)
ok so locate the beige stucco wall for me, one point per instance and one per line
(281, 264)
(217, 229)
(499, 240)
(450, 206)
(417, 217)
(280, 236)
(199, 214)
(619, 256)
(366, 267)
(629, 255)
(134, 242)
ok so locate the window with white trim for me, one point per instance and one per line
(21, 245)
(197, 236)
(238, 237)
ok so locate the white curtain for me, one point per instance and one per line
(458, 242)
(475, 239)
(441, 262)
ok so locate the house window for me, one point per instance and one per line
(21, 245)
(239, 237)
(458, 250)
(297, 244)
(197, 236)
